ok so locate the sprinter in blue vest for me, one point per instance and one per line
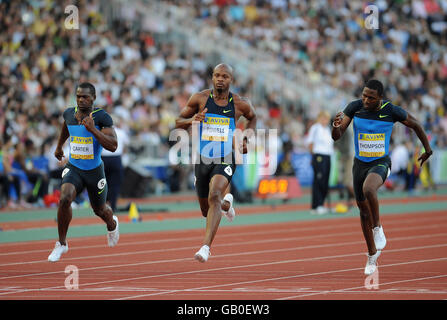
(88, 129)
(217, 110)
(373, 123)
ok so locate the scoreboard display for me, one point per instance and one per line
(281, 187)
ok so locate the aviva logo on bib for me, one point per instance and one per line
(371, 136)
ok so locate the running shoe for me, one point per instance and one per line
(57, 252)
(230, 214)
(322, 210)
(371, 263)
(113, 236)
(379, 238)
(203, 254)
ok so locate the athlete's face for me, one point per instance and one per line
(84, 98)
(222, 79)
(370, 98)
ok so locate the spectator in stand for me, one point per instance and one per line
(135, 71)
(12, 175)
(23, 160)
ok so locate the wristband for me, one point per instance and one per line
(335, 126)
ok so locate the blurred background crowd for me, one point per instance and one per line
(292, 58)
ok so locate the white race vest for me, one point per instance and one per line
(371, 144)
(81, 148)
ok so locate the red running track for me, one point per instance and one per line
(319, 259)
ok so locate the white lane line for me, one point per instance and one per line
(362, 287)
(242, 266)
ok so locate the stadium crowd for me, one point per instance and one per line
(144, 81)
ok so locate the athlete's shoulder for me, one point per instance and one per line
(397, 112)
(69, 110)
(353, 107)
(200, 97)
(68, 113)
(203, 94)
(358, 103)
(99, 111)
(102, 117)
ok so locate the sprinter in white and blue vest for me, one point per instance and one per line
(218, 111)
(373, 118)
(89, 129)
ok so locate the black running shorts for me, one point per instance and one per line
(94, 180)
(205, 172)
(361, 170)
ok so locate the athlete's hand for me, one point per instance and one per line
(59, 154)
(200, 116)
(338, 118)
(423, 157)
(88, 122)
(243, 147)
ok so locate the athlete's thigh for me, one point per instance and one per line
(225, 170)
(373, 181)
(219, 184)
(72, 175)
(202, 179)
(96, 185)
(221, 177)
(382, 168)
(359, 173)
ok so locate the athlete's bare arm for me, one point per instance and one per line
(340, 124)
(63, 136)
(245, 108)
(191, 112)
(412, 123)
(106, 136)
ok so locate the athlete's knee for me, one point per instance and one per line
(369, 191)
(364, 209)
(101, 211)
(215, 198)
(65, 200)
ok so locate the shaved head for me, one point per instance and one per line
(222, 77)
(224, 66)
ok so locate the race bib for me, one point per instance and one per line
(215, 129)
(81, 148)
(371, 144)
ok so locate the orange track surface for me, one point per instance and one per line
(318, 259)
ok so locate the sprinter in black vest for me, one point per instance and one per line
(218, 111)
